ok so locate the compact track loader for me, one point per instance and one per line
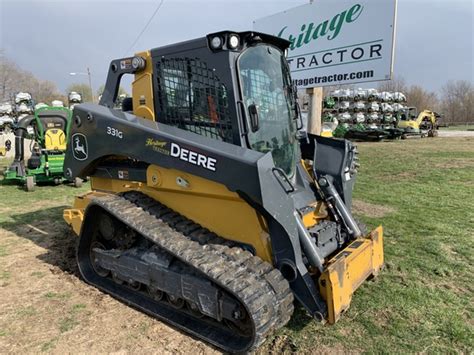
(208, 209)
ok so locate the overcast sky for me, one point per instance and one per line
(434, 41)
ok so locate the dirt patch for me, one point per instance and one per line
(453, 134)
(456, 164)
(282, 344)
(403, 176)
(449, 251)
(370, 209)
(46, 307)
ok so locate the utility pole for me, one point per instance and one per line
(90, 84)
(315, 110)
(90, 81)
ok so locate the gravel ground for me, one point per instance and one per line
(450, 134)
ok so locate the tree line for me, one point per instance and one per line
(455, 102)
(13, 79)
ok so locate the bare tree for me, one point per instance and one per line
(121, 91)
(328, 89)
(13, 79)
(47, 92)
(396, 84)
(458, 101)
(83, 89)
(10, 78)
(422, 99)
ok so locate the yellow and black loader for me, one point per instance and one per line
(210, 208)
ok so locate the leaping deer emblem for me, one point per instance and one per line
(79, 148)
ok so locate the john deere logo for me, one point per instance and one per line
(79, 146)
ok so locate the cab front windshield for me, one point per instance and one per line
(265, 83)
(408, 114)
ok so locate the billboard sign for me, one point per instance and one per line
(336, 42)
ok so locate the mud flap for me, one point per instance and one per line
(348, 270)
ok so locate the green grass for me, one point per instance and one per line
(49, 345)
(423, 299)
(458, 128)
(38, 274)
(44, 196)
(26, 311)
(78, 307)
(67, 324)
(5, 275)
(57, 296)
(70, 321)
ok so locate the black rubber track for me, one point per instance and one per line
(260, 288)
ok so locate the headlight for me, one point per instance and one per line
(138, 63)
(234, 41)
(216, 42)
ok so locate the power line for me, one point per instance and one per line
(144, 28)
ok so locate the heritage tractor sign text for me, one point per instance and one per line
(338, 42)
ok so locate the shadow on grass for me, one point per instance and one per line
(300, 318)
(47, 229)
(21, 185)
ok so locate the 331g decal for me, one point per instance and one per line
(114, 132)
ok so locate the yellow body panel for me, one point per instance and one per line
(205, 202)
(312, 217)
(142, 89)
(55, 139)
(415, 124)
(408, 124)
(74, 216)
(348, 269)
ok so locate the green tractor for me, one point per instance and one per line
(48, 128)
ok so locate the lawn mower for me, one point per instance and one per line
(24, 105)
(74, 98)
(48, 130)
(7, 122)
